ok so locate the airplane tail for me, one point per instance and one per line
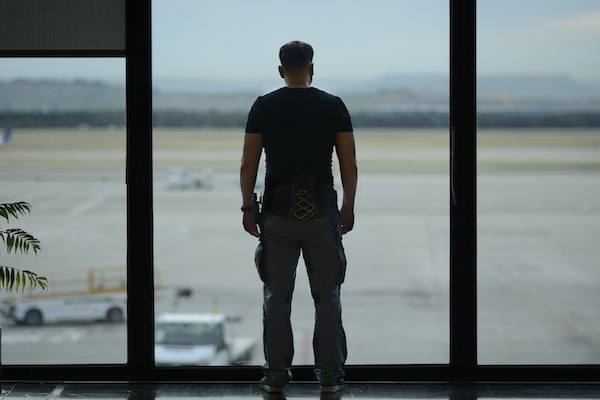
(5, 136)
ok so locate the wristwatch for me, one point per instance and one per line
(249, 208)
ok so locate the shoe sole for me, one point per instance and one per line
(331, 389)
(271, 389)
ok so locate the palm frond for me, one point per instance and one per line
(13, 278)
(14, 209)
(18, 239)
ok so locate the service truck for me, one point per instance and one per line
(101, 296)
(199, 339)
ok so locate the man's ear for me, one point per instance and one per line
(280, 68)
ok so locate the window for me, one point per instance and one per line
(538, 182)
(210, 61)
(63, 151)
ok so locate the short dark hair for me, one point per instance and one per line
(295, 55)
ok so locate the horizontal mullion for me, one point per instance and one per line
(370, 373)
(33, 53)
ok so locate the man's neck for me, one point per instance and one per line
(298, 83)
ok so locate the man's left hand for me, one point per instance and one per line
(249, 223)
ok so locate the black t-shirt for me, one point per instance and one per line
(299, 127)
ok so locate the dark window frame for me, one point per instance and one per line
(463, 365)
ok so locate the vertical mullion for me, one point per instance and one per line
(463, 261)
(140, 279)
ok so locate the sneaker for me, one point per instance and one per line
(332, 388)
(330, 380)
(269, 386)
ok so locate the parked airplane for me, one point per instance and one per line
(178, 178)
(5, 137)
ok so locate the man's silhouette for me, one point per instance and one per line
(299, 125)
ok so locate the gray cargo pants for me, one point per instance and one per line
(276, 259)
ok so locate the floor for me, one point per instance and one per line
(106, 391)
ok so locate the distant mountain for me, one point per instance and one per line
(46, 95)
(543, 87)
(431, 85)
(417, 92)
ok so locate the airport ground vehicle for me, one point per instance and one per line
(101, 296)
(179, 179)
(199, 339)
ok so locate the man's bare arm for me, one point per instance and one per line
(248, 169)
(346, 153)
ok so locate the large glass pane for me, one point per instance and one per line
(538, 181)
(388, 61)
(62, 150)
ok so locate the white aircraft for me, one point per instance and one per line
(5, 137)
(178, 178)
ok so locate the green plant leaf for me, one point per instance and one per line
(12, 278)
(17, 280)
(32, 278)
(14, 209)
(18, 239)
(9, 243)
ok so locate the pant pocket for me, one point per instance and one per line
(259, 258)
(343, 261)
(334, 223)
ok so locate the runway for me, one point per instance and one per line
(538, 228)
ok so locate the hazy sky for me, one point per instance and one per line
(239, 39)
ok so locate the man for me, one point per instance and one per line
(298, 125)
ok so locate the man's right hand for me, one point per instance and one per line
(346, 152)
(346, 219)
(249, 223)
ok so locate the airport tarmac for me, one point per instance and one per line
(538, 224)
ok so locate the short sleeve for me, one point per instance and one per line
(343, 122)
(254, 123)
